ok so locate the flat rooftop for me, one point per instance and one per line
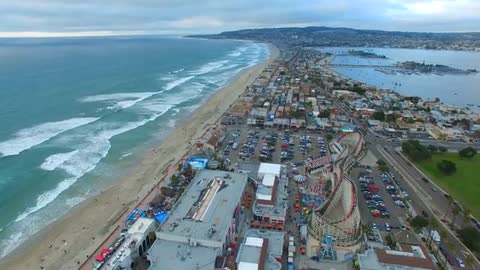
(204, 212)
(280, 204)
(250, 168)
(394, 260)
(168, 255)
(249, 253)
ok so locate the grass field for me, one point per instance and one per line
(464, 185)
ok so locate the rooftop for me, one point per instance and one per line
(250, 252)
(168, 255)
(279, 196)
(395, 260)
(204, 212)
(269, 168)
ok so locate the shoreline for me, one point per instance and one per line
(69, 241)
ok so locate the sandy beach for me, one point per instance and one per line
(68, 242)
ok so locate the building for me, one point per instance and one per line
(407, 255)
(261, 250)
(138, 239)
(203, 224)
(271, 196)
(410, 258)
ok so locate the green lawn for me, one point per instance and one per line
(464, 185)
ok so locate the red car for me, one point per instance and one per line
(375, 213)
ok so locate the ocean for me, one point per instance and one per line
(75, 113)
(451, 89)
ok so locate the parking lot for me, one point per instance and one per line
(381, 201)
(271, 145)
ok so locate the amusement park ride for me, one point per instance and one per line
(327, 252)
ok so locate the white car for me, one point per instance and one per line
(460, 263)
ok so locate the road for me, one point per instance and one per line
(423, 196)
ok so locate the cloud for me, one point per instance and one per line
(210, 16)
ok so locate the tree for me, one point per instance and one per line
(379, 115)
(449, 246)
(447, 167)
(359, 90)
(442, 149)
(455, 211)
(465, 216)
(433, 225)
(419, 222)
(470, 237)
(324, 114)
(409, 120)
(432, 148)
(174, 180)
(416, 151)
(382, 165)
(390, 241)
(167, 191)
(391, 117)
(469, 260)
(468, 152)
(328, 137)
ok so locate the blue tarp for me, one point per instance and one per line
(161, 217)
(135, 214)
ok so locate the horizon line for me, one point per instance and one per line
(107, 33)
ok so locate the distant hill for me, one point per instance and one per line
(340, 36)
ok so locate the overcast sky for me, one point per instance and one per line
(101, 17)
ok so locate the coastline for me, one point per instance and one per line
(68, 242)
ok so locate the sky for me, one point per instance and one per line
(20, 18)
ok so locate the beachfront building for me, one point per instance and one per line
(261, 250)
(203, 225)
(138, 239)
(271, 196)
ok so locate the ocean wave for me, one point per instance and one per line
(120, 100)
(126, 155)
(84, 159)
(177, 71)
(30, 137)
(11, 243)
(53, 161)
(209, 67)
(178, 82)
(238, 52)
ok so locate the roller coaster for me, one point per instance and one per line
(339, 216)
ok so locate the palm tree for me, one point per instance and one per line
(433, 225)
(455, 211)
(449, 246)
(450, 203)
